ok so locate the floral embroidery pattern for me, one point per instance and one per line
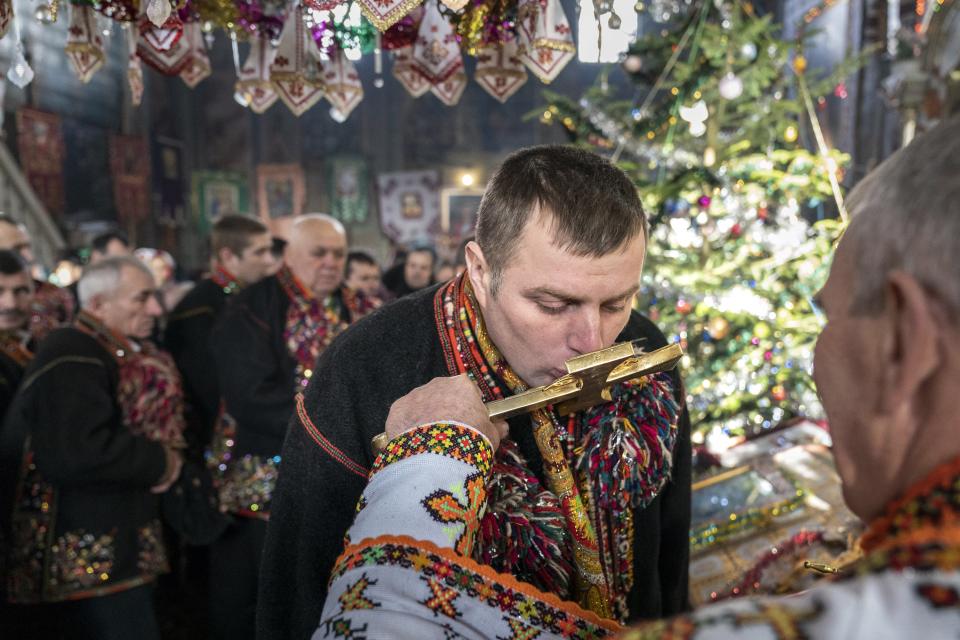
(442, 599)
(79, 560)
(446, 439)
(152, 555)
(353, 598)
(244, 484)
(462, 506)
(460, 576)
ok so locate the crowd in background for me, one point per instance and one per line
(130, 397)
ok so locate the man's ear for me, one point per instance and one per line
(911, 340)
(478, 271)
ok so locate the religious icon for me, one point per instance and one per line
(411, 204)
(280, 191)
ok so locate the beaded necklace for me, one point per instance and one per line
(311, 325)
(584, 458)
(225, 280)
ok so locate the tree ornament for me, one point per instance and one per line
(158, 11)
(632, 63)
(749, 51)
(799, 65)
(545, 38)
(84, 44)
(20, 73)
(684, 307)
(762, 330)
(437, 57)
(790, 134)
(731, 86)
(253, 80)
(778, 393)
(499, 70)
(341, 84)
(45, 14)
(718, 328)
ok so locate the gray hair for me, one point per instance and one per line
(906, 215)
(103, 278)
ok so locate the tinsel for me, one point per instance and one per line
(484, 23)
(331, 35)
(523, 531)
(403, 33)
(264, 17)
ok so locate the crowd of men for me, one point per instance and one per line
(247, 427)
(138, 421)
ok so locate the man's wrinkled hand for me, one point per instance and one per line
(453, 399)
(171, 472)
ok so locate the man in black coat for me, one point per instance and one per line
(561, 239)
(16, 342)
(241, 251)
(84, 529)
(265, 347)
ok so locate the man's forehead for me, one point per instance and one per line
(14, 279)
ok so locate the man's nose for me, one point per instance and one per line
(154, 309)
(586, 335)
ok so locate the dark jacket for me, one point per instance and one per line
(83, 522)
(324, 469)
(188, 339)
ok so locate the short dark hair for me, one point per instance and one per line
(6, 218)
(11, 263)
(423, 248)
(360, 257)
(234, 232)
(595, 208)
(100, 241)
(277, 247)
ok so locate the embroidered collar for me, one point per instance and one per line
(119, 346)
(225, 280)
(16, 346)
(929, 512)
(295, 290)
(639, 424)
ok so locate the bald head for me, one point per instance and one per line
(14, 237)
(316, 252)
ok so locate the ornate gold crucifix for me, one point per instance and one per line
(587, 383)
(588, 380)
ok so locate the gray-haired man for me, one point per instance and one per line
(85, 539)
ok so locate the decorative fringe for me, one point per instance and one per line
(523, 531)
(628, 462)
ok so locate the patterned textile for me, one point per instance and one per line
(47, 564)
(418, 519)
(444, 438)
(52, 308)
(312, 324)
(150, 392)
(907, 585)
(583, 458)
(246, 483)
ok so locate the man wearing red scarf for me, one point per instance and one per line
(241, 257)
(93, 434)
(266, 347)
(593, 508)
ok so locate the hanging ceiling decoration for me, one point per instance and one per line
(303, 50)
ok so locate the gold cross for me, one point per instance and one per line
(588, 380)
(587, 383)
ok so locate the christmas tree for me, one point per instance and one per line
(744, 217)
